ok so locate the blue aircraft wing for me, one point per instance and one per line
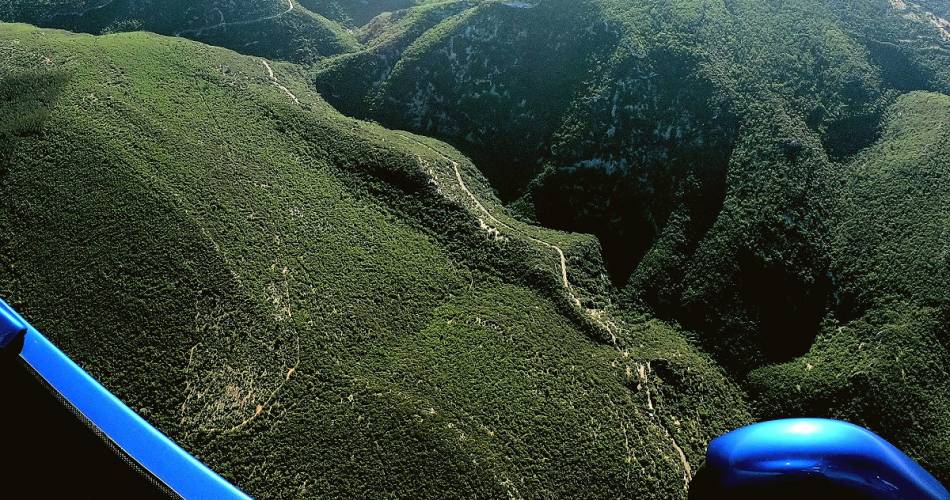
(177, 471)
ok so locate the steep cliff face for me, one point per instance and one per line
(497, 80)
(651, 134)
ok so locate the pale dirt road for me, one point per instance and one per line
(594, 314)
(222, 23)
(273, 80)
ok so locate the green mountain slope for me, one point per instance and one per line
(890, 222)
(318, 306)
(359, 12)
(278, 29)
(736, 160)
(767, 178)
(890, 237)
(350, 81)
(690, 137)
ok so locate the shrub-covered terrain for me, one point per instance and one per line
(649, 124)
(314, 305)
(357, 13)
(705, 144)
(278, 29)
(656, 220)
(886, 368)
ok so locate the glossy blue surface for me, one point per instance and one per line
(11, 326)
(154, 451)
(838, 452)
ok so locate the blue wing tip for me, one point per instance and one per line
(11, 326)
(834, 451)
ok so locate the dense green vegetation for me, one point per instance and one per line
(890, 233)
(704, 143)
(883, 360)
(766, 183)
(610, 116)
(308, 302)
(357, 13)
(351, 81)
(278, 29)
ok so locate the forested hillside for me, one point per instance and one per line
(278, 29)
(697, 140)
(359, 12)
(649, 222)
(883, 359)
(314, 305)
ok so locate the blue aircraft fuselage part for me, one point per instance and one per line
(155, 452)
(838, 452)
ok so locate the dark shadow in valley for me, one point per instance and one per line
(789, 309)
(628, 211)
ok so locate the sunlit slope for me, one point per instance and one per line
(279, 29)
(313, 305)
(351, 82)
(892, 217)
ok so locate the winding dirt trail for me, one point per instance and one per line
(223, 23)
(273, 80)
(687, 470)
(478, 204)
(562, 259)
(594, 314)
